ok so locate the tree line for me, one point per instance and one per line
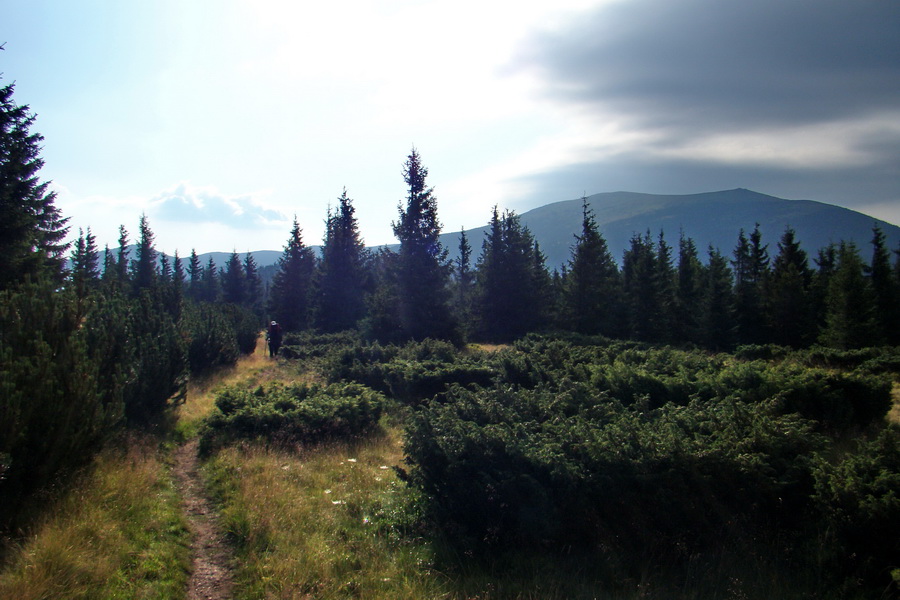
(660, 294)
(92, 340)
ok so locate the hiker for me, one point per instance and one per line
(273, 337)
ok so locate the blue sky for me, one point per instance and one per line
(222, 120)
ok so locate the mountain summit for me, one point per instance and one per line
(711, 218)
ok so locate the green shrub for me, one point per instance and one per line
(304, 414)
(211, 337)
(572, 465)
(858, 500)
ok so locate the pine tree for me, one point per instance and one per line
(234, 284)
(511, 281)
(885, 289)
(591, 288)
(122, 259)
(195, 274)
(647, 289)
(342, 273)
(689, 291)
(718, 303)
(850, 319)
(289, 298)
(85, 272)
(751, 270)
(32, 228)
(254, 299)
(209, 282)
(789, 304)
(143, 267)
(423, 271)
(463, 284)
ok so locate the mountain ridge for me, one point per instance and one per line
(709, 218)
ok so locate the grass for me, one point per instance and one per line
(329, 522)
(119, 533)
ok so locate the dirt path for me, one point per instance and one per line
(212, 556)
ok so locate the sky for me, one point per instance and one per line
(223, 120)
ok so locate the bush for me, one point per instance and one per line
(304, 414)
(211, 337)
(858, 500)
(572, 465)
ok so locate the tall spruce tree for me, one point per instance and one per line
(143, 267)
(463, 284)
(689, 292)
(342, 273)
(423, 270)
(290, 295)
(591, 288)
(32, 228)
(85, 270)
(789, 303)
(718, 303)
(254, 300)
(210, 286)
(647, 289)
(751, 270)
(850, 318)
(195, 276)
(234, 284)
(884, 288)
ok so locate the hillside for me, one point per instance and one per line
(711, 218)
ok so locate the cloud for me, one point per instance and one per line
(704, 65)
(788, 97)
(206, 205)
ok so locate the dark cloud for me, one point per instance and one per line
(708, 65)
(200, 205)
(784, 88)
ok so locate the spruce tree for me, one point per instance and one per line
(209, 283)
(751, 269)
(122, 259)
(32, 228)
(195, 275)
(423, 270)
(646, 291)
(463, 284)
(342, 270)
(85, 273)
(789, 303)
(289, 298)
(143, 267)
(718, 303)
(689, 292)
(512, 283)
(591, 287)
(885, 289)
(254, 300)
(233, 280)
(850, 319)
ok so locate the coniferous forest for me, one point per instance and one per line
(652, 408)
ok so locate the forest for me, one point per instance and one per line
(681, 402)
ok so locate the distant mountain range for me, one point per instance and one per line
(712, 218)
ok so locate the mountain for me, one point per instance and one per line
(712, 218)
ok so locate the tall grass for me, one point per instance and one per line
(119, 533)
(332, 522)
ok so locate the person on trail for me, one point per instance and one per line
(273, 337)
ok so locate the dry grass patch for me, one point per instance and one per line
(894, 414)
(332, 522)
(118, 533)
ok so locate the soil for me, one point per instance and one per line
(212, 555)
